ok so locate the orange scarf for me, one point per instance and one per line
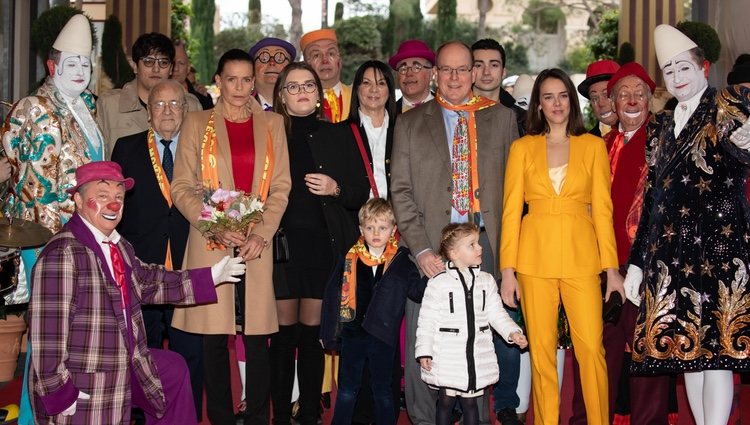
(164, 186)
(474, 104)
(348, 306)
(210, 172)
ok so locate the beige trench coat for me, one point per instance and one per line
(260, 301)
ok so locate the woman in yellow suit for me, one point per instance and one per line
(557, 250)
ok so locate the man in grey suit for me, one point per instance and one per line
(430, 144)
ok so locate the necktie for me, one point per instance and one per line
(614, 153)
(267, 107)
(460, 165)
(167, 161)
(118, 270)
(333, 105)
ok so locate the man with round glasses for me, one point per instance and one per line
(122, 112)
(270, 57)
(320, 49)
(413, 63)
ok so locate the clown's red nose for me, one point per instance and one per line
(114, 206)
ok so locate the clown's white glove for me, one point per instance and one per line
(226, 270)
(632, 284)
(70, 411)
(741, 136)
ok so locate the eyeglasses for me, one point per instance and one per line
(294, 88)
(415, 68)
(460, 71)
(318, 56)
(278, 57)
(150, 61)
(172, 104)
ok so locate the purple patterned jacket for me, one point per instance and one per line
(78, 330)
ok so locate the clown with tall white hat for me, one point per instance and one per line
(689, 262)
(46, 137)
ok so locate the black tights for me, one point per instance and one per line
(444, 410)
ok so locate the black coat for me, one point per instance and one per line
(383, 316)
(148, 222)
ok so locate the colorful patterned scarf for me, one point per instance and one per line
(474, 104)
(348, 306)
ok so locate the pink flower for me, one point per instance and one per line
(222, 195)
(233, 214)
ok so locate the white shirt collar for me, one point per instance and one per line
(264, 102)
(99, 236)
(407, 104)
(684, 110)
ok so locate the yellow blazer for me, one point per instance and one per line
(561, 236)
(260, 300)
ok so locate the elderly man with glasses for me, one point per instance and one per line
(413, 63)
(122, 112)
(270, 57)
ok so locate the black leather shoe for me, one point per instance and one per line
(507, 416)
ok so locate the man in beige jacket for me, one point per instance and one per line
(122, 112)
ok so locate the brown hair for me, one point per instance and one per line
(375, 208)
(536, 123)
(452, 233)
(278, 104)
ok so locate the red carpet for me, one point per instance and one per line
(11, 393)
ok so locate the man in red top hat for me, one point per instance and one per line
(594, 88)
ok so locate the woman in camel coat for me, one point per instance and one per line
(243, 136)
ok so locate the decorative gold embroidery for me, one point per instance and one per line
(734, 313)
(657, 318)
(689, 344)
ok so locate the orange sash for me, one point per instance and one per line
(164, 186)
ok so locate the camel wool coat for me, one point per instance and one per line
(260, 301)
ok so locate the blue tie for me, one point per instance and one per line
(167, 162)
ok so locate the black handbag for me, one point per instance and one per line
(280, 247)
(612, 308)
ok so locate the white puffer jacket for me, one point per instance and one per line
(458, 338)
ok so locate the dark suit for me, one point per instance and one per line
(149, 223)
(421, 193)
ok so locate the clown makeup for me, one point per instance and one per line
(100, 203)
(683, 77)
(72, 74)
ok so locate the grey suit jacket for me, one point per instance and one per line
(421, 184)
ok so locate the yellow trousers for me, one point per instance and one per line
(582, 299)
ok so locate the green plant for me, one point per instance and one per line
(577, 60)
(359, 40)
(114, 60)
(202, 26)
(704, 36)
(446, 21)
(46, 28)
(180, 14)
(603, 42)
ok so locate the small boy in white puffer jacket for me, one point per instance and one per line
(454, 340)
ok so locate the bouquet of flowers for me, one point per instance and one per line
(228, 210)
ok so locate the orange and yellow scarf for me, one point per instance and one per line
(474, 104)
(348, 306)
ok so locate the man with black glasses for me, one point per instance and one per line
(270, 57)
(122, 112)
(413, 63)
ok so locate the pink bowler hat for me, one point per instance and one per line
(100, 170)
(412, 49)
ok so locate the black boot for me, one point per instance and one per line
(310, 367)
(282, 350)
